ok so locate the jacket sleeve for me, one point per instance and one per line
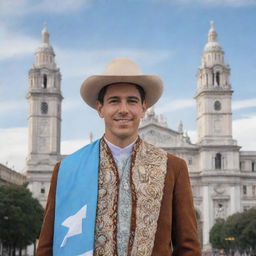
(184, 226)
(44, 247)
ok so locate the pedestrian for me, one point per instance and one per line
(120, 195)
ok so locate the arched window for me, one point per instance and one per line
(44, 81)
(44, 108)
(218, 161)
(218, 78)
(217, 105)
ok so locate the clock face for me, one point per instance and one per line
(44, 108)
(217, 105)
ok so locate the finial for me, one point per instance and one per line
(45, 34)
(212, 35)
(212, 24)
(180, 127)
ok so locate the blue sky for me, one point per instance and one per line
(165, 37)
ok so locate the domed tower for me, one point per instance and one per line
(218, 151)
(214, 95)
(44, 118)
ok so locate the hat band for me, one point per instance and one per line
(104, 88)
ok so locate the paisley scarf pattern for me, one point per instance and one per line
(147, 179)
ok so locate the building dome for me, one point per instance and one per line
(212, 44)
(45, 45)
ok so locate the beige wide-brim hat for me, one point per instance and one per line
(122, 70)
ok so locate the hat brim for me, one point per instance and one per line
(152, 85)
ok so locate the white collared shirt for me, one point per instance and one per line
(120, 153)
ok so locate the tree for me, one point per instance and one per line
(238, 232)
(20, 216)
(216, 235)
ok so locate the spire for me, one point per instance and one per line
(180, 127)
(212, 35)
(212, 45)
(44, 52)
(45, 34)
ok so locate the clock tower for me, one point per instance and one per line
(44, 118)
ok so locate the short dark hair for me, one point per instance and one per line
(103, 91)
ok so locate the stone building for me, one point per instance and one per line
(223, 177)
(44, 118)
(9, 176)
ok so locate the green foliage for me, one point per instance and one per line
(238, 232)
(20, 216)
(216, 235)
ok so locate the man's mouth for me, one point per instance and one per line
(123, 120)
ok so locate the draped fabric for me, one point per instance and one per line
(76, 202)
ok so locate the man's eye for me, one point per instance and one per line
(133, 101)
(113, 101)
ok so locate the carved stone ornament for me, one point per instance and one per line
(219, 189)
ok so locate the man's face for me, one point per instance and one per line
(122, 110)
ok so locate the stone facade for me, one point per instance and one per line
(223, 177)
(44, 119)
(9, 176)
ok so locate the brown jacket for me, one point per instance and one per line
(177, 228)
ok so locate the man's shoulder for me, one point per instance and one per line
(151, 148)
(173, 161)
(170, 156)
(83, 150)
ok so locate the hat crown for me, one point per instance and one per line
(122, 67)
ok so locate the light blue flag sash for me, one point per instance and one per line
(76, 203)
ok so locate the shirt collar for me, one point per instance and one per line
(120, 152)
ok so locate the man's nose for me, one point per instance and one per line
(123, 107)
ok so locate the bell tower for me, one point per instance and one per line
(214, 95)
(218, 151)
(44, 118)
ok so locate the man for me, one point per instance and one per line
(120, 195)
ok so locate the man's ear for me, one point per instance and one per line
(99, 109)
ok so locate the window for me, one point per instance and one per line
(218, 78)
(42, 190)
(44, 81)
(44, 108)
(190, 161)
(254, 190)
(218, 161)
(217, 105)
(242, 165)
(244, 190)
(253, 166)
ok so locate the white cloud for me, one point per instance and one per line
(75, 63)
(14, 147)
(248, 103)
(244, 132)
(10, 106)
(24, 7)
(70, 146)
(15, 44)
(193, 136)
(176, 105)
